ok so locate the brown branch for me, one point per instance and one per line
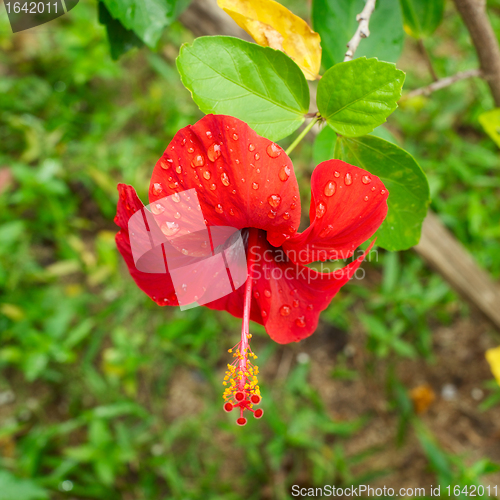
(442, 83)
(428, 59)
(474, 15)
(363, 30)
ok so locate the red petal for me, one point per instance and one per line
(242, 179)
(287, 298)
(348, 205)
(158, 286)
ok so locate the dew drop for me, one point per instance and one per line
(219, 209)
(366, 198)
(336, 174)
(233, 191)
(165, 163)
(175, 197)
(382, 191)
(207, 175)
(213, 152)
(264, 314)
(320, 210)
(295, 303)
(330, 189)
(293, 206)
(184, 251)
(366, 179)
(374, 188)
(231, 211)
(271, 214)
(286, 215)
(300, 322)
(285, 310)
(274, 200)
(258, 170)
(242, 180)
(310, 307)
(157, 188)
(256, 156)
(256, 294)
(183, 142)
(213, 187)
(235, 137)
(267, 293)
(157, 208)
(284, 173)
(273, 150)
(348, 179)
(326, 231)
(177, 215)
(224, 179)
(251, 147)
(190, 150)
(209, 134)
(198, 161)
(255, 185)
(204, 244)
(170, 228)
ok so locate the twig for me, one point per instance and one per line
(428, 59)
(473, 13)
(442, 83)
(363, 30)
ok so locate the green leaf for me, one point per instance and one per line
(146, 18)
(407, 184)
(335, 21)
(356, 96)
(120, 38)
(422, 17)
(13, 488)
(490, 121)
(258, 85)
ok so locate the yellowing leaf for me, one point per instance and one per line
(490, 120)
(493, 358)
(272, 25)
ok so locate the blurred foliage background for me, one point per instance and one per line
(104, 395)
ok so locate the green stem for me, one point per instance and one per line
(302, 134)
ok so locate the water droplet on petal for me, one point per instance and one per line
(209, 134)
(256, 294)
(213, 152)
(326, 231)
(170, 228)
(264, 314)
(219, 209)
(233, 191)
(207, 175)
(165, 163)
(274, 200)
(285, 310)
(267, 293)
(175, 197)
(178, 169)
(157, 188)
(198, 161)
(257, 156)
(235, 137)
(295, 303)
(157, 208)
(366, 198)
(310, 307)
(255, 185)
(213, 187)
(271, 214)
(330, 189)
(300, 322)
(231, 211)
(366, 179)
(286, 215)
(251, 147)
(184, 251)
(190, 150)
(183, 142)
(204, 244)
(382, 191)
(284, 173)
(273, 150)
(320, 210)
(374, 188)
(177, 215)
(293, 206)
(258, 170)
(336, 174)
(348, 179)
(224, 179)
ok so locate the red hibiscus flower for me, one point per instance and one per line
(247, 182)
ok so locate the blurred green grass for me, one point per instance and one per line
(103, 394)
